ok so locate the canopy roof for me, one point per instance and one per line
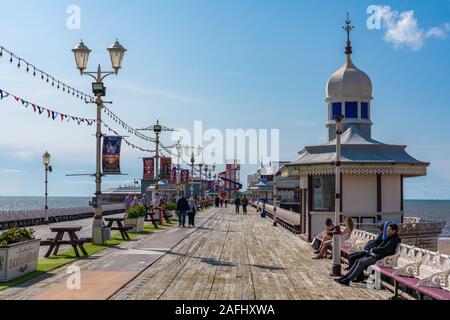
(357, 149)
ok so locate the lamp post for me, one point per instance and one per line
(336, 269)
(275, 222)
(192, 174)
(179, 150)
(46, 160)
(81, 53)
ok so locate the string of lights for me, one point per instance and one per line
(125, 126)
(45, 76)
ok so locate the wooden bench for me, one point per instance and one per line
(417, 270)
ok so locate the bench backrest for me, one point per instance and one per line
(432, 263)
(407, 255)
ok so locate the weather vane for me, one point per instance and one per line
(348, 28)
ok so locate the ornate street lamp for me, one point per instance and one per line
(46, 161)
(336, 269)
(81, 53)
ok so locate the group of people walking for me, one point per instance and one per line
(186, 207)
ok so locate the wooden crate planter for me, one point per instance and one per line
(18, 259)
(136, 223)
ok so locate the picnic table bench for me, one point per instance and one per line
(74, 241)
(120, 221)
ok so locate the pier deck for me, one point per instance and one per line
(227, 257)
(242, 257)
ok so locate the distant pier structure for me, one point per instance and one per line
(373, 172)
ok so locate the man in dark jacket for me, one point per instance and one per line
(182, 209)
(386, 248)
(237, 203)
(366, 252)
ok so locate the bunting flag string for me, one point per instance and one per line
(128, 143)
(50, 113)
(44, 75)
(125, 126)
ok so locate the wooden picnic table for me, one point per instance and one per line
(74, 241)
(120, 221)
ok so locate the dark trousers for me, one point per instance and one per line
(355, 256)
(244, 209)
(356, 271)
(191, 216)
(237, 208)
(181, 218)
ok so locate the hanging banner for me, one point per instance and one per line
(173, 175)
(166, 168)
(111, 154)
(149, 168)
(184, 176)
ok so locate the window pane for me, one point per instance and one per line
(364, 110)
(323, 193)
(351, 110)
(337, 109)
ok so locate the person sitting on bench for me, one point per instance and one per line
(386, 248)
(371, 244)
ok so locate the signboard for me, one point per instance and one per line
(166, 168)
(149, 168)
(184, 176)
(173, 175)
(111, 154)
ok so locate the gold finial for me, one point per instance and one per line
(348, 28)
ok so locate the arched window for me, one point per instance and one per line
(351, 110)
(336, 110)
(364, 110)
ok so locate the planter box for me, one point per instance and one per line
(136, 223)
(18, 259)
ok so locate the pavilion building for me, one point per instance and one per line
(372, 172)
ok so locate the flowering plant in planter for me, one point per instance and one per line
(19, 253)
(136, 218)
(16, 235)
(136, 212)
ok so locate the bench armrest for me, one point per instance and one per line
(388, 262)
(409, 270)
(437, 280)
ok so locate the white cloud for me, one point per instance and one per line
(402, 29)
(12, 171)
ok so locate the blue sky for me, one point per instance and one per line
(232, 64)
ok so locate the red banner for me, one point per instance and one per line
(184, 176)
(173, 175)
(149, 168)
(166, 168)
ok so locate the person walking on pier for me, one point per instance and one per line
(237, 203)
(191, 212)
(128, 202)
(244, 205)
(182, 209)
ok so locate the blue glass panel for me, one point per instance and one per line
(364, 110)
(351, 110)
(337, 109)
